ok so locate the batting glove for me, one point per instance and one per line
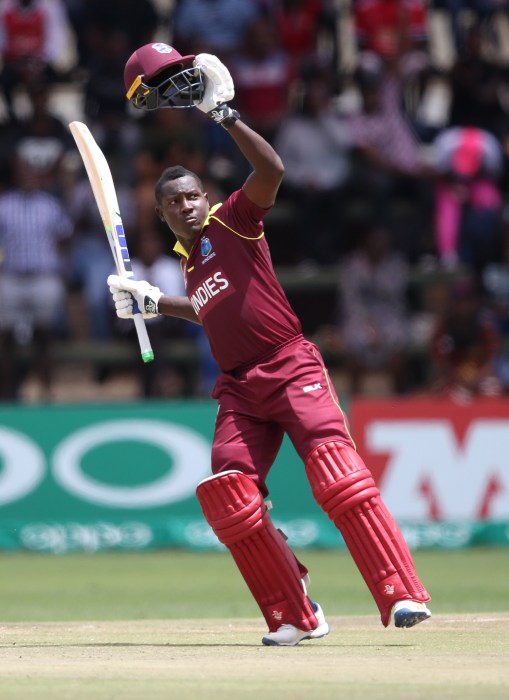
(218, 90)
(125, 291)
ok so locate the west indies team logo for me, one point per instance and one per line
(162, 48)
(206, 247)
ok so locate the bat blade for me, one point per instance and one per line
(103, 187)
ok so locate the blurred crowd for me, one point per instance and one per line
(397, 166)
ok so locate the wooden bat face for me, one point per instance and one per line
(101, 181)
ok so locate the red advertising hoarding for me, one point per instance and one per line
(437, 460)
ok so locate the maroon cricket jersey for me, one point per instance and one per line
(231, 284)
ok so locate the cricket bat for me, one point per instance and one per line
(101, 181)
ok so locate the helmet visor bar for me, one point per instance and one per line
(182, 89)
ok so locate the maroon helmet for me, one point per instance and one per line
(157, 75)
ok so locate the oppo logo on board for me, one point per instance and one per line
(24, 464)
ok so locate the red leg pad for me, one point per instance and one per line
(233, 506)
(343, 486)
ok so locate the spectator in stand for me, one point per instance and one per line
(373, 324)
(32, 38)
(111, 31)
(100, 22)
(314, 145)
(380, 129)
(212, 26)
(465, 15)
(396, 31)
(42, 139)
(264, 78)
(391, 28)
(306, 31)
(476, 84)
(480, 15)
(75, 12)
(465, 346)
(468, 200)
(454, 10)
(33, 229)
(389, 162)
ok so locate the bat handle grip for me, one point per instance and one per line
(147, 354)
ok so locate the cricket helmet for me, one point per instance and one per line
(157, 75)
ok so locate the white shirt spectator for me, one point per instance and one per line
(218, 24)
(315, 150)
(31, 226)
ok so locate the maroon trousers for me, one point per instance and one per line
(291, 392)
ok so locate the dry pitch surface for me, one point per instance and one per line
(461, 656)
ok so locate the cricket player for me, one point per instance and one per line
(273, 381)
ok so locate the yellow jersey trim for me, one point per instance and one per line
(247, 238)
(212, 210)
(180, 250)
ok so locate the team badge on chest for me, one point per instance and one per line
(206, 249)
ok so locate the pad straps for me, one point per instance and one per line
(343, 486)
(233, 506)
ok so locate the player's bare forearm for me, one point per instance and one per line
(263, 183)
(179, 307)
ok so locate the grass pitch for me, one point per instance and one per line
(182, 625)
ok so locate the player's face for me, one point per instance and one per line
(184, 207)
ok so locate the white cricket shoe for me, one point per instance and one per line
(408, 613)
(290, 636)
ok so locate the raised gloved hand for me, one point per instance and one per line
(125, 291)
(218, 90)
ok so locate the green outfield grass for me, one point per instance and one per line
(177, 584)
(181, 625)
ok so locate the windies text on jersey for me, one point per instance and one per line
(212, 286)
